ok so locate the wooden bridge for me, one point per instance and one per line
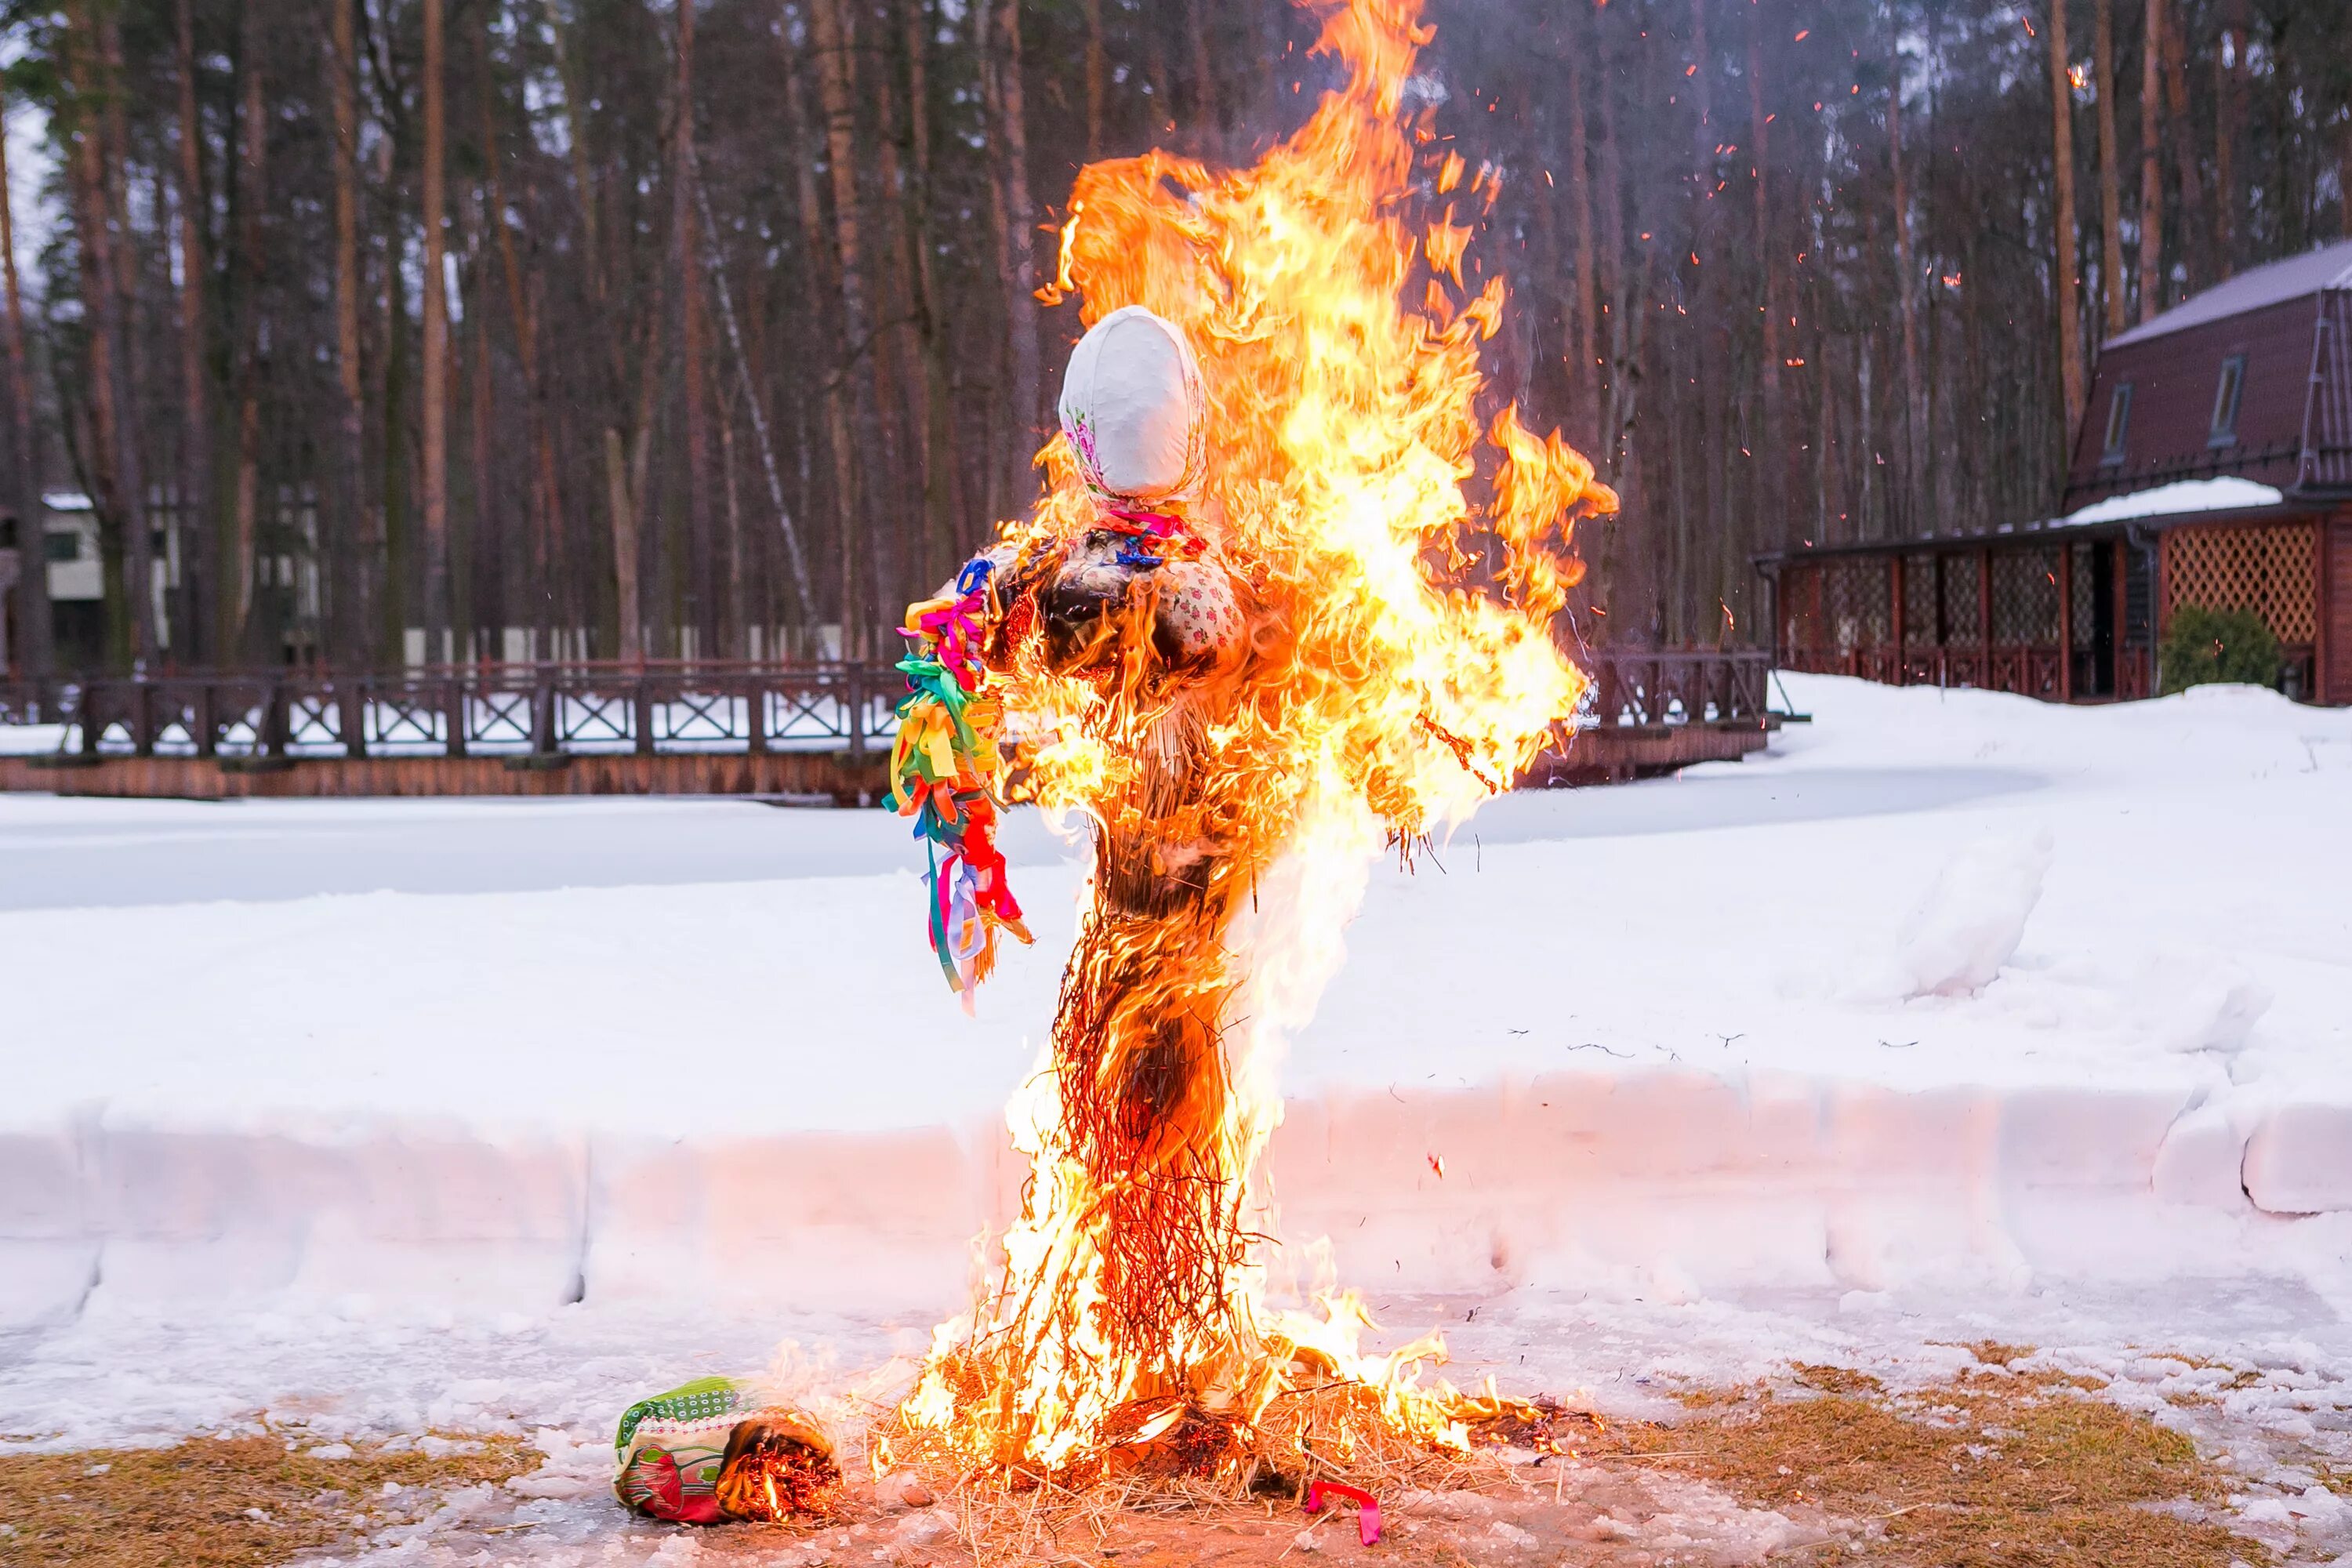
(811, 731)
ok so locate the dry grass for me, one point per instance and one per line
(213, 1502)
(1334, 1432)
(1836, 1379)
(1984, 1472)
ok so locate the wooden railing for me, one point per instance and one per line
(514, 710)
(1649, 687)
(547, 710)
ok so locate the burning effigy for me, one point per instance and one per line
(1257, 629)
(1289, 601)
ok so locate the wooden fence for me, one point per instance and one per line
(677, 727)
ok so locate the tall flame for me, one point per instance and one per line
(1412, 669)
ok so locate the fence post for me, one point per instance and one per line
(274, 726)
(453, 699)
(202, 721)
(854, 693)
(351, 701)
(755, 712)
(643, 706)
(542, 713)
(143, 717)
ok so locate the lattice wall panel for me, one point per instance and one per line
(1961, 609)
(2270, 570)
(2025, 598)
(1919, 601)
(1857, 604)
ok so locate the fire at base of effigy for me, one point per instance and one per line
(1288, 602)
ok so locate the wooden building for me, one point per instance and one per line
(2213, 467)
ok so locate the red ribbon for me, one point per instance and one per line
(1368, 1507)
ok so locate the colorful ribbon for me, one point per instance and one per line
(943, 770)
(1368, 1507)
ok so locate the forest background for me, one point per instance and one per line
(625, 329)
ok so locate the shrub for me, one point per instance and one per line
(2203, 646)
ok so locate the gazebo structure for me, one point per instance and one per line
(2213, 467)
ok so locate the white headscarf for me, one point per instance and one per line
(1133, 408)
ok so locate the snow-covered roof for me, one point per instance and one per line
(66, 500)
(2225, 492)
(2329, 267)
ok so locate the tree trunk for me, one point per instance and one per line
(391, 605)
(34, 634)
(2184, 155)
(1097, 75)
(1778, 457)
(691, 346)
(836, 89)
(2228, 131)
(1584, 344)
(1711, 545)
(195, 417)
(1906, 295)
(435, 378)
(1206, 135)
(546, 527)
(2152, 164)
(1017, 255)
(2062, 130)
(820, 252)
(2111, 205)
(622, 511)
(355, 550)
(112, 404)
(1617, 386)
(252, 185)
(944, 501)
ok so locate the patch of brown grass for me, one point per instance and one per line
(1835, 1379)
(211, 1502)
(1984, 1472)
(1994, 1352)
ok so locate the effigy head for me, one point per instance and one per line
(1134, 411)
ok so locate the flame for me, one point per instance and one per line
(1403, 668)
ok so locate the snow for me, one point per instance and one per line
(1953, 1015)
(2224, 492)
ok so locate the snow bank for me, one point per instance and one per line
(1625, 1039)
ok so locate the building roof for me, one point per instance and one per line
(2329, 267)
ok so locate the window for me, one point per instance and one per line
(2225, 401)
(61, 547)
(2118, 424)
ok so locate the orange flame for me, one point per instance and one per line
(1403, 668)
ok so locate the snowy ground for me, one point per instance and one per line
(1955, 1016)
